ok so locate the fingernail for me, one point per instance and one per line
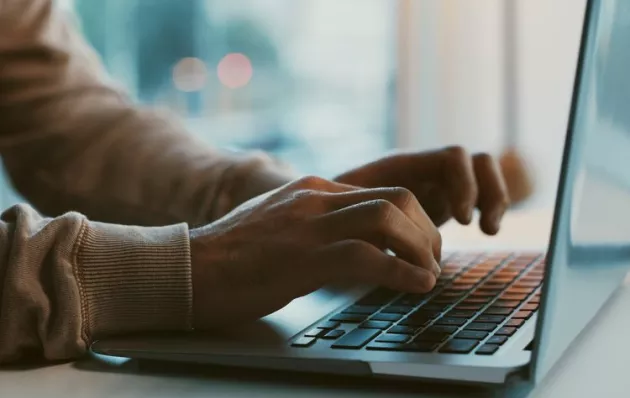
(496, 219)
(466, 212)
(437, 270)
(424, 283)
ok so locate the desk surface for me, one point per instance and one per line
(597, 366)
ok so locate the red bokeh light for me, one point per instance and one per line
(235, 70)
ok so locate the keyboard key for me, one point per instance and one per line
(415, 322)
(484, 327)
(303, 342)
(469, 307)
(378, 297)
(316, 332)
(420, 346)
(490, 318)
(411, 299)
(424, 313)
(520, 290)
(436, 333)
(349, 318)
(445, 300)
(523, 314)
(483, 293)
(375, 325)
(356, 338)
(515, 322)
(456, 295)
(498, 311)
(529, 307)
(459, 346)
(393, 338)
(507, 274)
(471, 280)
(333, 334)
(328, 325)
(435, 337)
(487, 349)
(497, 340)
(387, 317)
(397, 309)
(361, 309)
(451, 321)
(476, 300)
(460, 314)
(490, 289)
(442, 329)
(403, 330)
(494, 285)
(516, 297)
(381, 346)
(526, 284)
(506, 304)
(506, 331)
(496, 279)
(431, 306)
(457, 288)
(471, 334)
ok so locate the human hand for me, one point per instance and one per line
(311, 232)
(448, 183)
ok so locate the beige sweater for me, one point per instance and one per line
(72, 142)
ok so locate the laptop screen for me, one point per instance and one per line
(589, 253)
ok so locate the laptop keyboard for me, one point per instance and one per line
(478, 303)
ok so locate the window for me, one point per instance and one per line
(311, 81)
(455, 79)
(328, 84)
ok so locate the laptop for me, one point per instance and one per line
(493, 318)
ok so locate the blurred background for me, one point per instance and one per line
(326, 84)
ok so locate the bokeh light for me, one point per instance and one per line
(235, 70)
(190, 75)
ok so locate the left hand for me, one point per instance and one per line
(448, 183)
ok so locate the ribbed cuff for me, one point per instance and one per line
(134, 279)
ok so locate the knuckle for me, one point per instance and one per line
(456, 153)
(381, 210)
(427, 242)
(259, 157)
(402, 196)
(308, 198)
(309, 182)
(355, 248)
(485, 158)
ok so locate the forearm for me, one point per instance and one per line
(67, 280)
(70, 140)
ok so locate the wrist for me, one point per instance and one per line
(251, 176)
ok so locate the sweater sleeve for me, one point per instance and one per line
(67, 280)
(71, 140)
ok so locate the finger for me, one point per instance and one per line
(452, 169)
(384, 225)
(435, 203)
(493, 198)
(360, 261)
(402, 198)
(458, 173)
(313, 183)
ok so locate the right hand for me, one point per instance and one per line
(292, 241)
